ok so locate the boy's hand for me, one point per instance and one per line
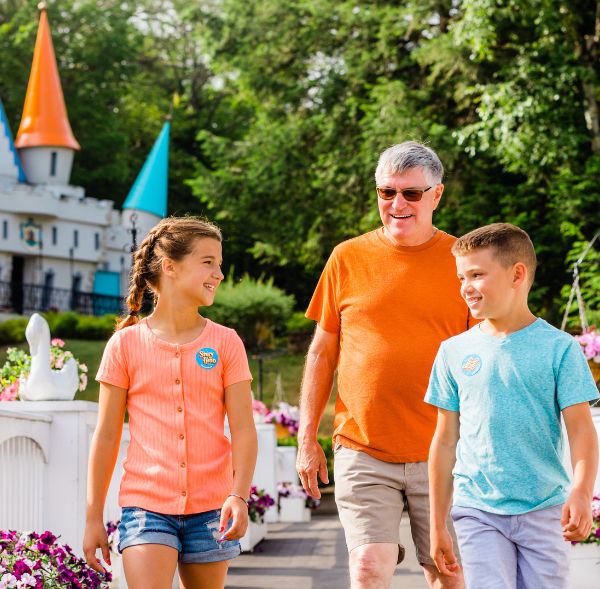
(235, 509)
(576, 517)
(442, 552)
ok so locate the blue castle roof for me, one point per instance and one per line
(9, 158)
(149, 191)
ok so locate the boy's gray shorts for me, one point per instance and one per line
(512, 551)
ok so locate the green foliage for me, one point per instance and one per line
(67, 324)
(255, 308)
(12, 331)
(282, 108)
(298, 323)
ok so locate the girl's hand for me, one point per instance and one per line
(96, 537)
(235, 509)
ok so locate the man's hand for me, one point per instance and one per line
(311, 460)
(576, 517)
(442, 552)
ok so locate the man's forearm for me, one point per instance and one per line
(316, 389)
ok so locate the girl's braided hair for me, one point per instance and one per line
(171, 238)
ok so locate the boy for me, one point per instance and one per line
(500, 388)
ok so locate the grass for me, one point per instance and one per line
(282, 376)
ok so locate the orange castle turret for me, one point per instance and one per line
(45, 123)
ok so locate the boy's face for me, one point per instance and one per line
(486, 285)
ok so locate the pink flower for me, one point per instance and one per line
(10, 392)
(58, 343)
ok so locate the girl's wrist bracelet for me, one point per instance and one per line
(239, 497)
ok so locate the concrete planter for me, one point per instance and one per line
(254, 534)
(293, 509)
(585, 566)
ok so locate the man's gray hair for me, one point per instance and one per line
(401, 158)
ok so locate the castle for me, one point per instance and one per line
(60, 249)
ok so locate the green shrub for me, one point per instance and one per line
(298, 323)
(12, 331)
(254, 308)
(65, 324)
(90, 327)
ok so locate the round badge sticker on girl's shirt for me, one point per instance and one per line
(207, 358)
(471, 365)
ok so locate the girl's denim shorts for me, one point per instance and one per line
(194, 536)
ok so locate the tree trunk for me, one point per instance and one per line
(589, 56)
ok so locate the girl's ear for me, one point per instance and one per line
(520, 274)
(167, 266)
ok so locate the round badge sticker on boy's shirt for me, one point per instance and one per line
(207, 358)
(471, 365)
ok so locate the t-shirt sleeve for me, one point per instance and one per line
(442, 390)
(574, 380)
(324, 305)
(235, 361)
(113, 366)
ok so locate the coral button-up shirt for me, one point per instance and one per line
(178, 460)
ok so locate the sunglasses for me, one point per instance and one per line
(409, 194)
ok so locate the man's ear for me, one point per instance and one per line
(520, 274)
(439, 190)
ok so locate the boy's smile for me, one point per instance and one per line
(486, 285)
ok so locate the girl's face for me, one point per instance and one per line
(197, 276)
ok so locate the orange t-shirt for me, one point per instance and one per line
(178, 460)
(392, 307)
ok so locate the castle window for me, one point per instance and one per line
(5, 229)
(75, 238)
(54, 235)
(97, 241)
(53, 156)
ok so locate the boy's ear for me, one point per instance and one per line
(519, 274)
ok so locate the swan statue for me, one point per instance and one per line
(43, 383)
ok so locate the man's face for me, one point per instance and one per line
(408, 223)
(485, 284)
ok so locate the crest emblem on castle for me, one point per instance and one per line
(60, 249)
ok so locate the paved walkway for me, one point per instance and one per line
(311, 556)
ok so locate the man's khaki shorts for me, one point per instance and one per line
(371, 496)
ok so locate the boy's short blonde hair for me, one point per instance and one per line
(509, 243)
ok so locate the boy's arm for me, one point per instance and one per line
(442, 456)
(577, 510)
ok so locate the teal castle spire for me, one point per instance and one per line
(149, 191)
(10, 164)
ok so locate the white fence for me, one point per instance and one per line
(44, 448)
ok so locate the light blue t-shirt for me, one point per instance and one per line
(510, 392)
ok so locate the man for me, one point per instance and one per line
(385, 301)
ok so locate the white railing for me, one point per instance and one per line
(24, 441)
(44, 447)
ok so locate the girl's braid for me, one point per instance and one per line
(141, 275)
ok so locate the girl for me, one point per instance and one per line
(184, 489)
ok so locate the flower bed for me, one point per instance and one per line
(33, 560)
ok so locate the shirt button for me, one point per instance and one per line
(176, 354)
(177, 381)
(180, 409)
(183, 493)
(182, 465)
(181, 436)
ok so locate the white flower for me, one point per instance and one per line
(8, 581)
(26, 580)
